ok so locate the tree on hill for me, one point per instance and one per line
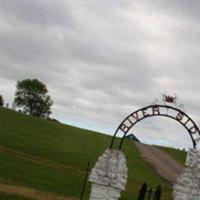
(32, 96)
(1, 101)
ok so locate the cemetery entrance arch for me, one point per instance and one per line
(110, 173)
(158, 110)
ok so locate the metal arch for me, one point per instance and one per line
(179, 114)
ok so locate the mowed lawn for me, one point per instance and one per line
(4, 196)
(52, 157)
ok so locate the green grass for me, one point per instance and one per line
(52, 157)
(4, 196)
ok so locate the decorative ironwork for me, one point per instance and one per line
(85, 181)
(148, 194)
(169, 99)
(159, 110)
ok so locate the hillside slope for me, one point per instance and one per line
(51, 157)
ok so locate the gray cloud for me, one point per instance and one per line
(102, 60)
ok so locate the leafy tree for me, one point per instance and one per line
(32, 97)
(1, 101)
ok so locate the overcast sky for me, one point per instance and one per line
(101, 60)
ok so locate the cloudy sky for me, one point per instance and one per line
(101, 60)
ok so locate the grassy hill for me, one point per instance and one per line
(52, 157)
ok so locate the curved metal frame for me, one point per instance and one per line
(193, 130)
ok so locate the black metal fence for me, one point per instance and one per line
(146, 193)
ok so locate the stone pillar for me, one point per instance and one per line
(109, 176)
(188, 184)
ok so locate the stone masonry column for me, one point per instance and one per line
(109, 176)
(188, 184)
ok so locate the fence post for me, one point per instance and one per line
(157, 193)
(142, 192)
(85, 181)
(150, 191)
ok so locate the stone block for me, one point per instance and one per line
(188, 183)
(109, 176)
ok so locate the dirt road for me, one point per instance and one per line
(30, 193)
(164, 165)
